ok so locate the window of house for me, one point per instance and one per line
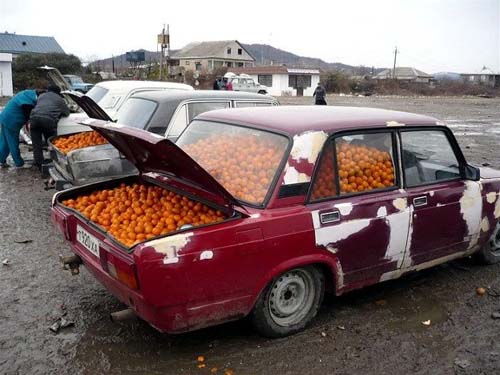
(197, 66)
(210, 65)
(187, 62)
(218, 64)
(265, 79)
(428, 157)
(229, 51)
(299, 80)
(240, 51)
(229, 64)
(365, 162)
(240, 65)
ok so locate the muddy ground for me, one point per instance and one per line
(378, 330)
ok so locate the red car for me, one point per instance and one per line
(259, 211)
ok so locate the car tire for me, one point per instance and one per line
(289, 302)
(263, 92)
(490, 252)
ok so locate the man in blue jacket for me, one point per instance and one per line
(15, 114)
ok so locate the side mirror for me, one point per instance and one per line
(471, 173)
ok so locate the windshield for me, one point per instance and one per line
(96, 93)
(136, 112)
(243, 160)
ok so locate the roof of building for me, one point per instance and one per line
(403, 73)
(17, 44)
(484, 71)
(273, 69)
(294, 120)
(209, 49)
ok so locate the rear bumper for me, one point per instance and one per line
(60, 182)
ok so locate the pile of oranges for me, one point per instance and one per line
(360, 168)
(72, 142)
(244, 164)
(138, 212)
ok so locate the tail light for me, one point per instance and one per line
(122, 271)
(61, 222)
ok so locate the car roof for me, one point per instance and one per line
(293, 120)
(121, 84)
(180, 95)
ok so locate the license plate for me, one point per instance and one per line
(87, 240)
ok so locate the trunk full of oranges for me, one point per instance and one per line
(137, 212)
(360, 168)
(73, 142)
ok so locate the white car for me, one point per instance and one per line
(244, 82)
(110, 95)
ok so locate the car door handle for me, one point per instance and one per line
(329, 217)
(420, 201)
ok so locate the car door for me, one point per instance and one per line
(443, 221)
(359, 212)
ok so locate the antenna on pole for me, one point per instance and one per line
(394, 68)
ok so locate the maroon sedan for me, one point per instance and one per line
(303, 200)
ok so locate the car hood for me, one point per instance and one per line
(90, 107)
(154, 154)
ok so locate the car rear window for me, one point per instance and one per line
(245, 161)
(96, 93)
(136, 112)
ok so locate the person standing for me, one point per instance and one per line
(319, 95)
(15, 114)
(216, 85)
(49, 108)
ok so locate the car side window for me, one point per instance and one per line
(179, 123)
(324, 185)
(428, 157)
(364, 162)
(194, 109)
(239, 104)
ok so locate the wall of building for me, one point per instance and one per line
(6, 88)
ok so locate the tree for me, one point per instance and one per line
(26, 74)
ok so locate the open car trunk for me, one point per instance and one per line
(91, 163)
(101, 231)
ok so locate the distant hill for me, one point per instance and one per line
(264, 55)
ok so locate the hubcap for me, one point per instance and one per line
(291, 297)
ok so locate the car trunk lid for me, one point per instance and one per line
(153, 154)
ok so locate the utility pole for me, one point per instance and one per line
(164, 42)
(394, 68)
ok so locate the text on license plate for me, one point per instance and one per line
(86, 239)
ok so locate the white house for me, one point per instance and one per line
(6, 88)
(282, 80)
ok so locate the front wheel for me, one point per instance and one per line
(263, 92)
(289, 302)
(490, 252)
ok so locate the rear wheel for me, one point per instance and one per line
(490, 252)
(263, 92)
(289, 302)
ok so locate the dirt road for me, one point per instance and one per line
(375, 331)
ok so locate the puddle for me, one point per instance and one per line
(407, 311)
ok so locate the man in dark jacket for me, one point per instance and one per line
(13, 117)
(319, 95)
(43, 120)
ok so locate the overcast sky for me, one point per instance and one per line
(432, 35)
